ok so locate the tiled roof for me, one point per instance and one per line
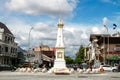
(6, 30)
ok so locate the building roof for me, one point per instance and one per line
(48, 53)
(20, 50)
(105, 37)
(45, 57)
(98, 36)
(6, 30)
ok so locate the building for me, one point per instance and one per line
(41, 55)
(8, 47)
(21, 55)
(35, 57)
(107, 48)
(46, 50)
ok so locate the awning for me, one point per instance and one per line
(46, 58)
(114, 58)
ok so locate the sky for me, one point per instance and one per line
(80, 17)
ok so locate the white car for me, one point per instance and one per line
(109, 68)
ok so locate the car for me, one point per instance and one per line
(5, 67)
(109, 68)
(117, 69)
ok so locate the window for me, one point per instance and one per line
(117, 45)
(0, 49)
(6, 49)
(117, 48)
(5, 38)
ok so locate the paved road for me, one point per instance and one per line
(45, 76)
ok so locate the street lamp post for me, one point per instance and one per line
(103, 47)
(29, 46)
(29, 38)
(108, 45)
(105, 25)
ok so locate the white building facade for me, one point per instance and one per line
(8, 47)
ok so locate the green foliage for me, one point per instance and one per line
(80, 55)
(69, 60)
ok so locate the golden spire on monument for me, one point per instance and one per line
(60, 23)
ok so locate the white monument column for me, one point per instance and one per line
(59, 63)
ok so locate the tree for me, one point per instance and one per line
(80, 55)
(69, 60)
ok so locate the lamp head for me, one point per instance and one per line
(105, 20)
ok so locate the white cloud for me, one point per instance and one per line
(84, 36)
(49, 7)
(97, 30)
(41, 32)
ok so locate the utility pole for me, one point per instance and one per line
(29, 46)
(105, 25)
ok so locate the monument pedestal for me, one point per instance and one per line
(60, 67)
(61, 71)
(59, 64)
